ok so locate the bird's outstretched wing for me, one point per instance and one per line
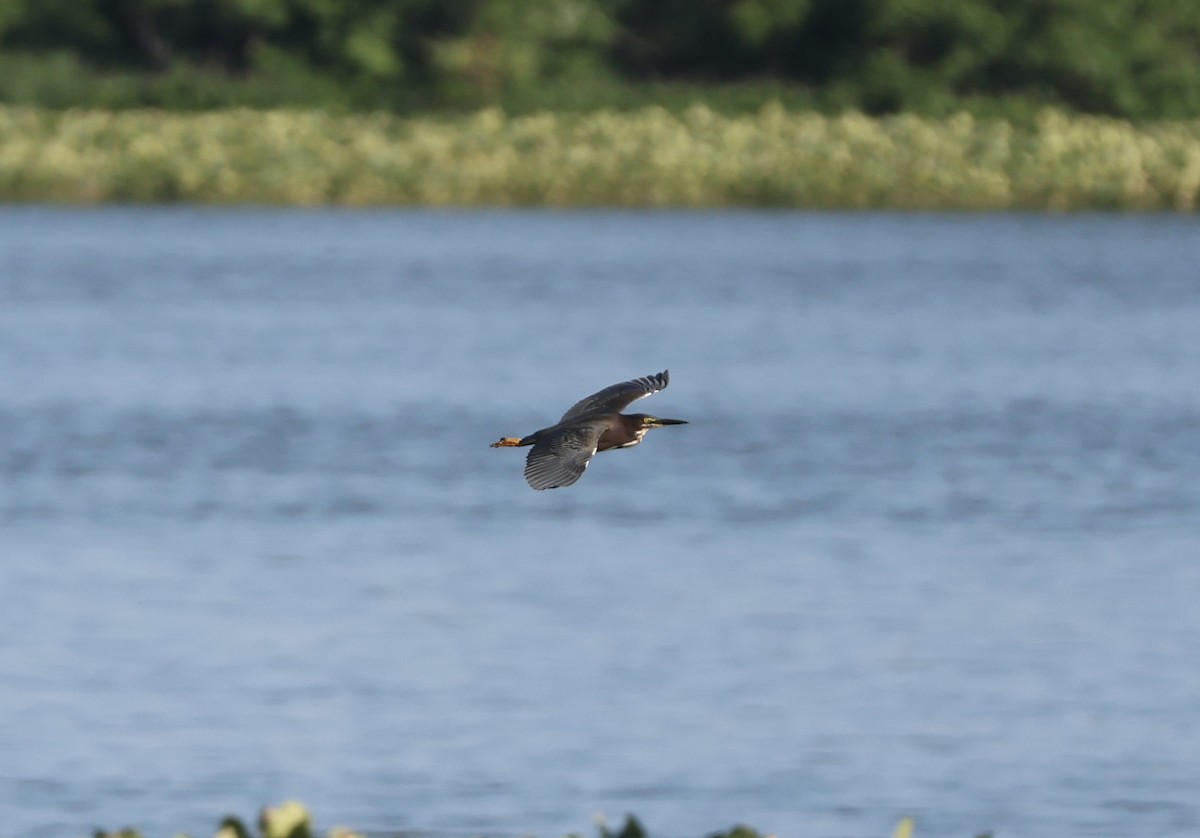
(561, 458)
(616, 398)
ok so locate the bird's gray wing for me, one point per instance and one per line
(616, 398)
(560, 458)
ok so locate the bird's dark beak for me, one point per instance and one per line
(661, 422)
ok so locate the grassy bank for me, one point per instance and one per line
(292, 820)
(647, 158)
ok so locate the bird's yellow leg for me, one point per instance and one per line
(507, 442)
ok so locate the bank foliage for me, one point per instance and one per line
(1130, 58)
(645, 158)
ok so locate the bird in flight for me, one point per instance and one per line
(561, 452)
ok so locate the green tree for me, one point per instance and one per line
(1136, 58)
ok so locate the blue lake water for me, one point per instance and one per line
(930, 545)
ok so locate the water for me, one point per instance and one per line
(929, 546)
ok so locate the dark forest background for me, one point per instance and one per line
(1138, 59)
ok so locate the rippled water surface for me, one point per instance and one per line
(930, 545)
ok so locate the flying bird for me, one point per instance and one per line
(561, 452)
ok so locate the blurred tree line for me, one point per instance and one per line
(1133, 58)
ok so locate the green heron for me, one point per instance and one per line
(561, 453)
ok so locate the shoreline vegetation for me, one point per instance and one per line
(644, 158)
(292, 819)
